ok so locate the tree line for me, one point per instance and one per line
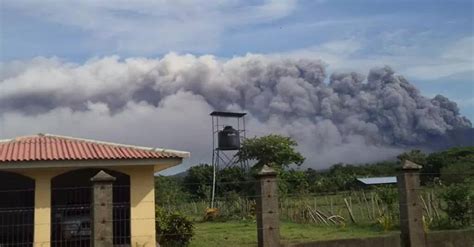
(454, 165)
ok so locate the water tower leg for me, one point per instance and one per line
(215, 163)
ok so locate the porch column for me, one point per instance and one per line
(142, 205)
(42, 223)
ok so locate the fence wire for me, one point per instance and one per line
(71, 215)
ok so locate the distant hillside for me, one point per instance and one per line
(453, 138)
(180, 175)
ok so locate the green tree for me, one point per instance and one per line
(293, 182)
(233, 179)
(198, 181)
(169, 190)
(459, 172)
(415, 155)
(437, 161)
(316, 180)
(343, 175)
(271, 149)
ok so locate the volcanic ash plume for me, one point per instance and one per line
(349, 118)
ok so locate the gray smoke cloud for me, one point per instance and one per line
(344, 117)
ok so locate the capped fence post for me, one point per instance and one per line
(411, 211)
(102, 210)
(268, 229)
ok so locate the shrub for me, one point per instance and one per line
(388, 195)
(459, 200)
(173, 229)
(386, 222)
(441, 223)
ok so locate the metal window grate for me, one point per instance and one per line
(16, 217)
(71, 216)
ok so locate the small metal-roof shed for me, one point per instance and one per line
(378, 180)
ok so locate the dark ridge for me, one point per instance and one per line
(461, 137)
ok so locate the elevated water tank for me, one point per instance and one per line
(228, 139)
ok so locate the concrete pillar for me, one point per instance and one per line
(268, 220)
(42, 218)
(411, 211)
(142, 205)
(102, 210)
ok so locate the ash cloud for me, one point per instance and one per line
(343, 117)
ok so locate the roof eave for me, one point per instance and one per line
(159, 163)
(178, 153)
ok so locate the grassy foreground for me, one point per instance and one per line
(243, 233)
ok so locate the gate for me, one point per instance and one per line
(71, 217)
(17, 195)
(71, 209)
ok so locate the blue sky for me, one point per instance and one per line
(430, 42)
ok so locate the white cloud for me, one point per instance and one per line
(461, 50)
(350, 54)
(147, 26)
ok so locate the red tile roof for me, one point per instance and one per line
(44, 147)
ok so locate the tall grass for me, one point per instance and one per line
(341, 208)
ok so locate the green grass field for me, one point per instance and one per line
(302, 218)
(244, 233)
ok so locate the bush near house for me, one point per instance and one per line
(173, 229)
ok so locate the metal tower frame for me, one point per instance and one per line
(225, 157)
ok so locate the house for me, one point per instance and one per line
(45, 189)
(374, 181)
